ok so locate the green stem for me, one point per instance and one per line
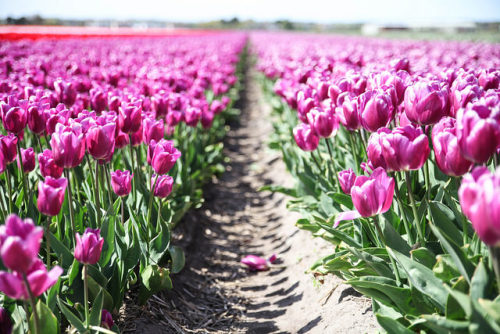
(158, 220)
(91, 169)
(33, 304)
(317, 163)
(354, 153)
(39, 143)
(123, 210)
(70, 203)
(21, 169)
(96, 194)
(403, 213)
(416, 221)
(428, 189)
(150, 206)
(2, 207)
(9, 188)
(107, 170)
(495, 258)
(86, 295)
(47, 241)
(335, 176)
(133, 167)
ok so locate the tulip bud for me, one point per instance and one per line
(100, 141)
(65, 91)
(163, 187)
(373, 194)
(129, 117)
(37, 119)
(28, 159)
(324, 123)
(164, 156)
(449, 158)
(348, 111)
(106, 319)
(375, 109)
(51, 195)
(346, 179)
(89, 246)
(121, 182)
(192, 116)
(8, 145)
(48, 166)
(305, 137)
(207, 119)
(426, 102)
(152, 129)
(68, 146)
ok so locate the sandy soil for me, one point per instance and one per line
(215, 293)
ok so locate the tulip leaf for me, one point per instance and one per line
(159, 244)
(108, 234)
(480, 282)
(377, 263)
(71, 317)
(424, 256)
(52, 294)
(441, 324)
(393, 238)
(442, 217)
(73, 271)
(154, 279)
(61, 250)
(95, 288)
(392, 326)
(342, 199)
(95, 313)
(47, 320)
(422, 279)
(342, 236)
(178, 258)
(492, 308)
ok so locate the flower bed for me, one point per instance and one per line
(394, 145)
(105, 145)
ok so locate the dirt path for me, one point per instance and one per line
(214, 293)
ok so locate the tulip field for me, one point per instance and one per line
(106, 143)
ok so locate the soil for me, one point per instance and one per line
(215, 293)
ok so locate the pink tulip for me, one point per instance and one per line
(28, 159)
(164, 156)
(347, 111)
(375, 109)
(478, 131)
(371, 195)
(106, 319)
(13, 114)
(207, 119)
(426, 102)
(346, 179)
(130, 116)
(100, 141)
(89, 246)
(38, 278)
(163, 187)
(192, 116)
(48, 166)
(449, 158)
(65, 91)
(121, 182)
(402, 149)
(19, 243)
(325, 124)
(37, 119)
(51, 195)
(68, 145)
(152, 129)
(480, 202)
(305, 137)
(8, 145)
(257, 263)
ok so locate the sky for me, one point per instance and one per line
(326, 11)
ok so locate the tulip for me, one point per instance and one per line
(164, 156)
(217, 106)
(106, 319)
(8, 145)
(426, 102)
(479, 199)
(39, 280)
(489, 79)
(402, 149)
(129, 116)
(207, 119)
(88, 246)
(100, 141)
(121, 182)
(449, 158)
(27, 159)
(324, 123)
(348, 111)
(19, 243)
(51, 195)
(5, 322)
(68, 146)
(48, 166)
(459, 98)
(136, 138)
(305, 137)
(371, 195)
(37, 119)
(478, 131)
(152, 129)
(65, 91)
(13, 114)
(163, 187)
(346, 179)
(121, 140)
(257, 263)
(375, 109)
(192, 116)
(98, 100)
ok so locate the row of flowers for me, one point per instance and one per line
(125, 132)
(395, 156)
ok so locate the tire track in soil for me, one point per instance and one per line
(214, 293)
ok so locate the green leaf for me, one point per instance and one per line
(342, 236)
(95, 313)
(95, 289)
(159, 244)
(442, 217)
(280, 189)
(392, 326)
(343, 199)
(445, 268)
(393, 239)
(61, 250)
(71, 317)
(108, 234)
(377, 263)
(480, 282)
(424, 256)
(178, 258)
(491, 308)
(73, 271)
(153, 279)
(47, 320)
(441, 324)
(422, 278)
(462, 299)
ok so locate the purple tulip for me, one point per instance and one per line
(89, 246)
(207, 119)
(324, 123)
(28, 159)
(65, 91)
(37, 119)
(38, 278)
(106, 319)
(305, 137)
(5, 322)
(152, 129)
(68, 145)
(402, 149)
(163, 187)
(480, 202)
(19, 243)
(98, 100)
(8, 145)
(257, 263)
(130, 116)
(51, 195)
(100, 140)
(192, 116)
(48, 166)
(121, 182)
(375, 109)
(449, 158)
(348, 111)
(478, 131)
(164, 156)
(346, 179)
(459, 98)
(426, 102)
(13, 114)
